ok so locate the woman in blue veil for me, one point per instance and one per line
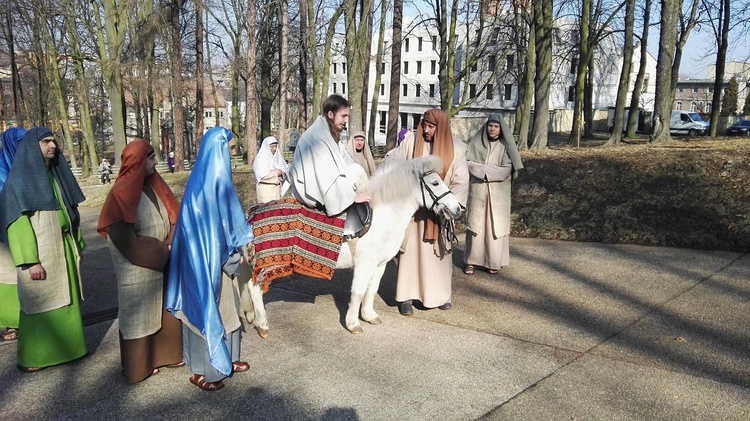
(211, 227)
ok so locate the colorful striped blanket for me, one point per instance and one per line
(292, 238)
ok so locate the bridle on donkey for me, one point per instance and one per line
(423, 185)
(447, 227)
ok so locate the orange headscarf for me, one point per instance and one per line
(122, 200)
(442, 141)
(442, 146)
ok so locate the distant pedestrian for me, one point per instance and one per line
(138, 218)
(45, 240)
(170, 162)
(105, 169)
(494, 163)
(9, 309)
(211, 232)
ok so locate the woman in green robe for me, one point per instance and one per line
(46, 243)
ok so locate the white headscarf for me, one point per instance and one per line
(265, 161)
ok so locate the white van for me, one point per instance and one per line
(689, 123)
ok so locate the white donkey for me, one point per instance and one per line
(397, 189)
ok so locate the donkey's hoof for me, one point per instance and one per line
(375, 321)
(356, 329)
(263, 333)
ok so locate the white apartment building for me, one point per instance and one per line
(492, 83)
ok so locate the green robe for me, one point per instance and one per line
(56, 336)
(9, 306)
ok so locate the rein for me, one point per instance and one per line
(447, 228)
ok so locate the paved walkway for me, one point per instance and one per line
(568, 331)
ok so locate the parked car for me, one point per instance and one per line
(689, 123)
(740, 128)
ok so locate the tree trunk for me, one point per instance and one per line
(686, 26)
(283, 59)
(56, 89)
(624, 84)
(82, 93)
(376, 88)
(111, 53)
(638, 88)
(670, 10)
(199, 78)
(15, 78)
(543, 28)
(326, 65)
(583, 63)
(721, 57)
(526, 97)
(394, 98)
(356, 18)
(304, 62)
(251, 116)
(178, 122)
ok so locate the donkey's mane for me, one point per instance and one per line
(396, 180)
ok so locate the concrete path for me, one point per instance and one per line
(568, 331)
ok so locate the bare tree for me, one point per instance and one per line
(199, 74)
(251, 116)
(670, 11)
(394, 98)
(641, 76)
(526, 44)
(358, 30)
(178, 120)
(283, 59)
(378, 74)
(624, 84)
(543, 44)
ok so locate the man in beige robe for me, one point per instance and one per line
(494, 162)
(425, 270)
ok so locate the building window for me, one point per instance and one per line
(416, 118)
(419, 67)
(404, 119)
(571, 93)
(472, 90)
(382, 89)
(679, 105)
(343, 88)
(334, 88)
(432, 90)
(491, 63)
(343, 68)
(406, 45)
(221, 114)
(692, 106)
(509, 61)
(708, 108)
(419, 44)
(573, 65)
(406, 89)
(434, 43)
(490, 91)
(382, 67)
(433, 65)
(508, 92)
(419, 89)
(645, 85)
(695, 89)
(334, 68)
(383, 121)
(710, 89)
(474, 67)
(406, 67)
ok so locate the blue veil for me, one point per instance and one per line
(210, 226)
(10, 140)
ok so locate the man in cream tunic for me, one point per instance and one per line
(323, 174)
(494, 162)
(425, 269)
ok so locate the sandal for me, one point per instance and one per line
(492, 271)
(469, 269)
(200, 381)
(240, 366)
(10, 334)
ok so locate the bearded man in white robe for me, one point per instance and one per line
(323, 174)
